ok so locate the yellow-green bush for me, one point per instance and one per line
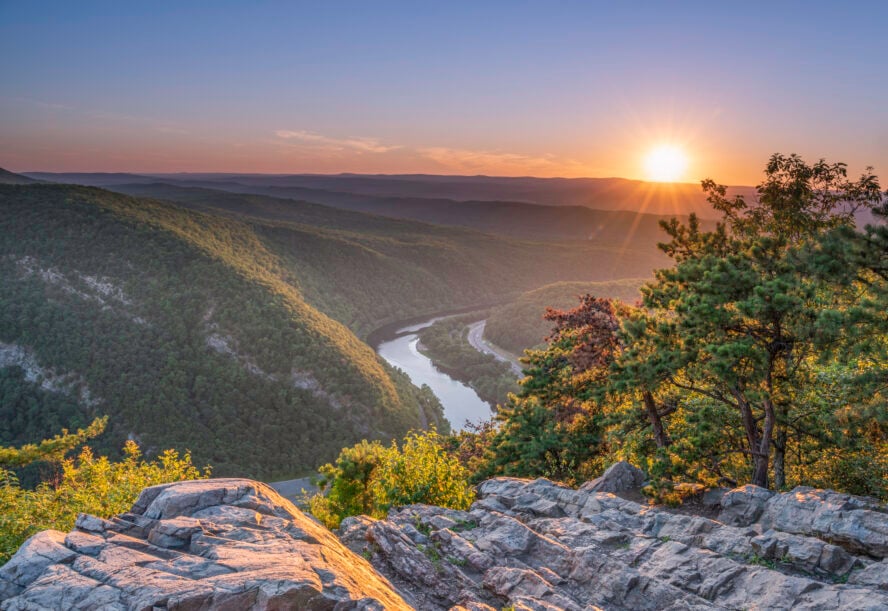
(369, 478)
(88, 484)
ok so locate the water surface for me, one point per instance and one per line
(460, 402)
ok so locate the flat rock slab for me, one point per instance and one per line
(208, 544)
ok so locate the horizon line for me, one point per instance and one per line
(695, 183)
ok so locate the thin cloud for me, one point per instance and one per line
(457, 160)
(38, 103)
(363, 145)
(475, 161)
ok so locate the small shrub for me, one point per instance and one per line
(89, 484)
(370, 478)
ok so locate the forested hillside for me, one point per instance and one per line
(207, 328)
(519, 324)
(186, 330)
(10, 178)
(366, 270)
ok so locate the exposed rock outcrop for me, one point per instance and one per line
(532, 545)
(619, 477)
(212, 544)
(538, 545)
(744, 505)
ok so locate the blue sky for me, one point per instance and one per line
(543, 88)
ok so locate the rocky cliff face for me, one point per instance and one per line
(538, 545)
(213, 544)
(532, 545)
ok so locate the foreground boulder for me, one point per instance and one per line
(744, 505)
(539, 545)
(210, 544)
(619, 477)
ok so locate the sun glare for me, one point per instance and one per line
(665, 163)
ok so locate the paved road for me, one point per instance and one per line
(476, 339)
(291, 489)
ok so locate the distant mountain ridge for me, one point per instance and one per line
(668, 199)
(600, 193)
(606, 216)
(529, 221)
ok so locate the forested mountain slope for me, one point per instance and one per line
(367, 270)
(186, 330)
(10, 178)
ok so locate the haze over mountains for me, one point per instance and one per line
(601, 193)
(522, 207)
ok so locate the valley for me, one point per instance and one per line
(336, 275)
(461, 306)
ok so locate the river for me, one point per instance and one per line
(460, 402)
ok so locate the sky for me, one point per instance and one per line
(499, 88)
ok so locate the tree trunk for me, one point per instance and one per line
(660, 436)
(760, 470)
(759, 445)
(780, 459)
(762, 458)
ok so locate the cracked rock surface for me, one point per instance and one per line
(527, 544)
(538, 545)
(210, 544)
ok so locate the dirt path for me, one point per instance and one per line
(476, 339)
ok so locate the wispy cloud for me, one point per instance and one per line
(479, 161)
(38, 103)
(363, 145)
(456, 160)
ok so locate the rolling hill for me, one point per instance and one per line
(521, 207)
(601, 193)
(10, 178)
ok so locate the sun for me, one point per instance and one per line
(665, 163)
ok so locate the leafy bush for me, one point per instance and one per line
(88, 484)
(50, 449)
(370, 478)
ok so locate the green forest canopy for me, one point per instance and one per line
(219, 330)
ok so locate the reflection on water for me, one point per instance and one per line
(460, 402)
